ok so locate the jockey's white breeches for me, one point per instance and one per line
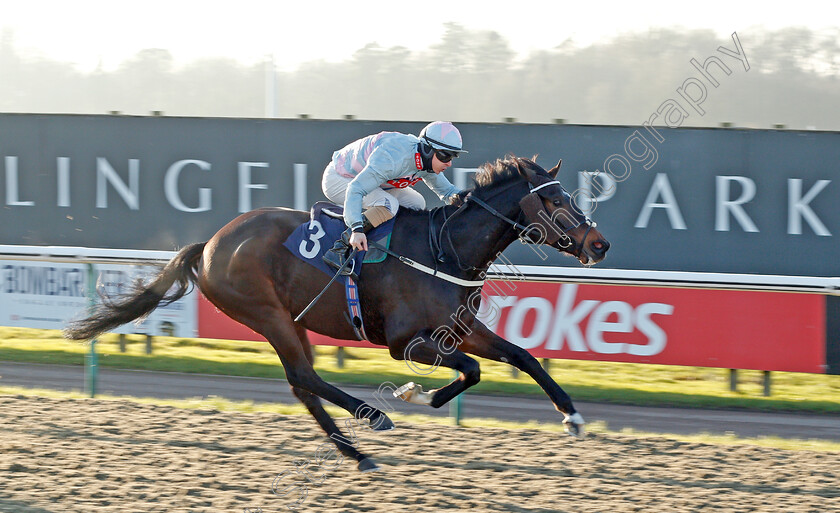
(334, 187)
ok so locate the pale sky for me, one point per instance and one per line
(89, 32)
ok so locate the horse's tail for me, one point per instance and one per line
(111, 313)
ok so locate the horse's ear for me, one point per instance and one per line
(524, 167)
(553, 172)
(519, 168)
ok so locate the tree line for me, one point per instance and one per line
(469, 75)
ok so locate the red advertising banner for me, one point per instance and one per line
(214, 324)
(738, 329)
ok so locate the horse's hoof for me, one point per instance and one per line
(413, 393)
(383, 423)
(574, 425)
(368, 465)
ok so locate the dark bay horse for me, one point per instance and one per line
(245, 271)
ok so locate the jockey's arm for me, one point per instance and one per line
(374, 174)
(364, 183)
(440, 186)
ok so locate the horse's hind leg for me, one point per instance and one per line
(422, 349)
(277, 327)
(270, 319)
(313, 404)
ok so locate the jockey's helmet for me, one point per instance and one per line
(442, 135)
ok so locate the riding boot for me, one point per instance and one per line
(335, 256)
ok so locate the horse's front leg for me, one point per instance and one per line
(423, 355)
(486, 344)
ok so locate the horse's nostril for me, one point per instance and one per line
(601, 246)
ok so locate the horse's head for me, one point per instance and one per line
(554, 220)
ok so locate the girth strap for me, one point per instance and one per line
(354, 308)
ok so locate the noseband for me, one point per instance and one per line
(534, 208)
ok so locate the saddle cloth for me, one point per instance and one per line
(311, 240)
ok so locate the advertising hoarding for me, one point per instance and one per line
(46, 295)
(681, 199)
(737, 329)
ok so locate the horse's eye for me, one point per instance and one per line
(557, 203)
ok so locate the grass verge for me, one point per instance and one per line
(585, 381)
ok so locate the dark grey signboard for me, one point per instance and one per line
(714, 200)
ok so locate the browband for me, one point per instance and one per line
(551, 182)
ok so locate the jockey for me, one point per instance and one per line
(377, 172)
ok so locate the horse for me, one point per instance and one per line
(247, 273)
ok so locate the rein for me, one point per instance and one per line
(496, 213)
(436, 236)
(435, 245)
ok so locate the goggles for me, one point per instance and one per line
(445, 156)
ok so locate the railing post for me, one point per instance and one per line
(149, 344)
(91, 360)
(455, 404)
(733, 380)
(122, 342)
(767, 383)
(339, 357)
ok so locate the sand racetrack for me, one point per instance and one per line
(59, 455)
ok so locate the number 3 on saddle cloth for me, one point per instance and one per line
(311, 240)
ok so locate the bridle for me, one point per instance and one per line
(531, 203)
(532, 198)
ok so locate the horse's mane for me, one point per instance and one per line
(493, 174)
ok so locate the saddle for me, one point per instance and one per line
(311, 240)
